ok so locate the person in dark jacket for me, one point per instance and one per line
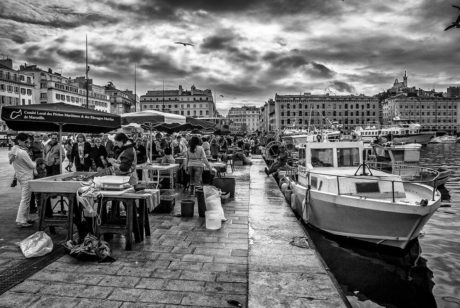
(37, 148)
(80, 154)
(141, 153)
(126, 162)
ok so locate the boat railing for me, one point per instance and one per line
(431, 181)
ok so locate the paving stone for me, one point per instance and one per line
(201, 275)
(205, 300)
(56, 302)
(63, 289)
(212, 251)
(157, 264)
(224, 267)
(20, 300)
(166, 297)
(30, 286)
(158, 248)
(239, 253)
(227, 287)
(142, 305)
(166, 273)
(151, 283)
(96, 292)
(196, 258)
(185, 285)
(232, 277)
(182, 250)
(231, 259)
(68, 277)
(135, 271)
(125, 295)
(98, 303)
(193, 266)
(170, 256)
(116, 281)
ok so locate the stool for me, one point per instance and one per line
(62, 220)
(131, 224)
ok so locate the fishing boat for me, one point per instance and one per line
(336, 192)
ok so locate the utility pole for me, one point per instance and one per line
(87, 69)
(163, 107)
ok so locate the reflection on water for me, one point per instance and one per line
(427, 274)
(371, 278)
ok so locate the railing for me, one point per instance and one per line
(424, 172)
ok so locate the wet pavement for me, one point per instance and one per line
(249, 261)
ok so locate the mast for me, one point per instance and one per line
(87, 69)
(135, 96)
(163, 108)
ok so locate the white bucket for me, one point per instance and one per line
(213, 221)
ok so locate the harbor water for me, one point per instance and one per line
(427, 274)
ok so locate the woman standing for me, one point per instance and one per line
(24, 169)
(194, 163)
(126, 162)
(80, 154)
(206, 147)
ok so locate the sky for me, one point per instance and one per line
(244, 51)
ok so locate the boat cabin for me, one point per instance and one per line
(337, 167)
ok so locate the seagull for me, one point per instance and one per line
(184, 43)
(455, 24)
(457, 7)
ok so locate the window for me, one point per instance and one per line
(348, 157)
(321, 158)
(367, 187)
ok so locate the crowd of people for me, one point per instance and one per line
(41, 155)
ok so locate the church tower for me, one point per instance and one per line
(405, 79)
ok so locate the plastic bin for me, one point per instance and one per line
(187, 207)
(166, 205)
(213, 221)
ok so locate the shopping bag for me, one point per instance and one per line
(36, 245)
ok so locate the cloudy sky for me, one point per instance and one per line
(245, 51)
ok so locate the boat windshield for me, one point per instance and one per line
(347, 157)
(322, 158)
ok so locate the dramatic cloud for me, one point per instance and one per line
(245, 51)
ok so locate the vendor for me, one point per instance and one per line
(126, 162)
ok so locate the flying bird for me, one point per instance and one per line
(455, 24)
(184, 43)
(221, 95)
(457, 7)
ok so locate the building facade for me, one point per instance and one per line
(302, 111)
(195, 103)
(432, 112)
(120, 101)
(453, 91)
(135, 100)
(267, 116)
(52, 87)
(244, 119)
(16, 88)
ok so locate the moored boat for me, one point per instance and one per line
(337, 193)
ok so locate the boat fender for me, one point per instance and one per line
(284, 187)
(318, 137)
(424, 202)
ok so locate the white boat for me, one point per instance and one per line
(403, 159)
(444, 139)
(339, 194)
(399, 131)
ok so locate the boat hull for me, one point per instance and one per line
(356, 218)
(422, 138)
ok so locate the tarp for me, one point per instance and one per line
(48, 118)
